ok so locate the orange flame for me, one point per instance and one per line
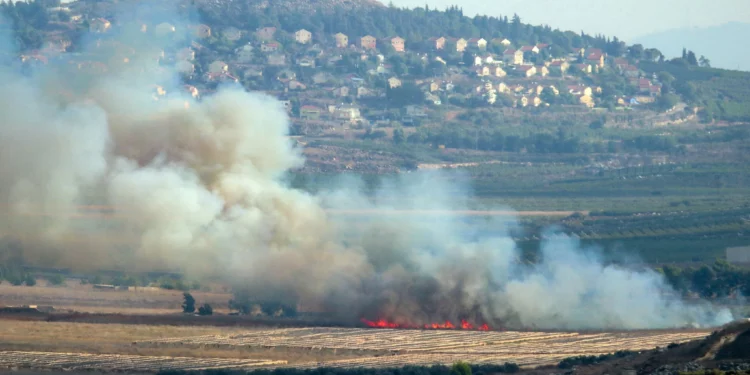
(465, 325)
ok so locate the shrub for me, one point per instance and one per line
(205, 310)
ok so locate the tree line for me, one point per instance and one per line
(459, 368)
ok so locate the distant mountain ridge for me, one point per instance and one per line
(723, 44)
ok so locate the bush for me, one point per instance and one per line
(205, 310)
(29, 280)
(56, 280)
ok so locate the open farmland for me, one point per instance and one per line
(150, 348)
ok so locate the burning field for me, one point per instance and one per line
(203, 181)
(150, 348)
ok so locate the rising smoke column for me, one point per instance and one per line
(197, 186)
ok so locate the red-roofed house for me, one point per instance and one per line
(526, 70)
(596, 59)
(558, 67)
(437, 43)
(368, 42)
(396, 42)
(542, 46)
(265, 33)
(532, 49)
(460, 43)
(478, 43)
(513, 57)
(630, 71)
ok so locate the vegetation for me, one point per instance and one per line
(570, 362)
(188, 306)
(206, 309)
(461, 368)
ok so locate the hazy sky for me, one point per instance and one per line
(626, 19)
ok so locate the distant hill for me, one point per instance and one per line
(723, 45)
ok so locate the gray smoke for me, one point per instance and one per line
(197, 186)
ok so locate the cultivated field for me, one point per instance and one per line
(150, 348)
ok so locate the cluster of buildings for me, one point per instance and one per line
(520, 73)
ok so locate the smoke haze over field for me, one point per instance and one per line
(201, 184)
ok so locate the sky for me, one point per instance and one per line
(626, 19)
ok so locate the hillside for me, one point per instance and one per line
(718, 42)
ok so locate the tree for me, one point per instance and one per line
(206, 309)
(548, 95)
(703, 61)
(56, 280)
(461, 368)
(636, 51)
(30, 280)
(398, 136)
(189, 305)
(691, 59)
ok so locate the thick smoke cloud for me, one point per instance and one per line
(197, 186)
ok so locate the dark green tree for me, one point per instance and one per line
(188, 306)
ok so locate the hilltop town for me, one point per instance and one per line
(340, 81)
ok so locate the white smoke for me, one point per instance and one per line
(197, 187)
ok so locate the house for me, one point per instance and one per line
(498, 72)
(655, 90)
(477, 60)
(220, 77)
(185, 54)
(302, 36)
(542, 70)
(232, 34)
(596, 59)
(415, 111)
(579, 52)
(310, 112)
(535, 101)
(482, 71)
(503, 88)
(276, 59)
(368, 42)
(432, 86)
(437, 43)
(397, 43)
(394, 82)
(485, 59)
(265, 33)
(586, 68)
(99, 25)
(348, 113)
(460, 43)
(184, 67)
(164, 28)
(513, 57)
(342, 41)
(586, 100)
(245, 53)
(630, 71)
(340, 91)
(478, 43)
(542, 46)
(191, 90)
(580, 90)
(306, 62)
(523, 102)
(218, 66)
(201, 31)
(296, 85)
(559, 67)
(526, 70)
(253, 72)
(321, 78)
(500, 42)
(364, 92)
(270, 47)
(532, 49)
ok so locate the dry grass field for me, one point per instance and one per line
(84, 298)
(140, 348)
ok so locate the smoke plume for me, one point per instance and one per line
(196, 185)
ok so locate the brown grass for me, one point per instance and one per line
(85, 298)
(120, 339)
